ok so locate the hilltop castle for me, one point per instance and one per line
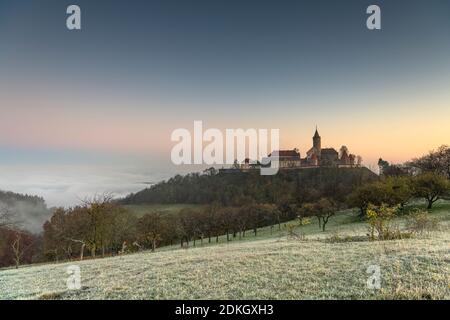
(316, 156)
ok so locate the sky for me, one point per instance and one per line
(92, 110)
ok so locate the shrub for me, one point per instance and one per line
(420, 222)
(380, 223)
(290, 227)
(303, 221)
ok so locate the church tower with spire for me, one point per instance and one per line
(317, 143)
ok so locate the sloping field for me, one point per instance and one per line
(262, 269)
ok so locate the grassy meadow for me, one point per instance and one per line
(271, 265)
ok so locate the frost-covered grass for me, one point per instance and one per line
(269, 267)
(264, 269)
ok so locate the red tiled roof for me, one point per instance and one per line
(286, 153)
(328, 150)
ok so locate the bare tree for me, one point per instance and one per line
(16, 247)
(436, 161)
(83, 245)
(19, 247)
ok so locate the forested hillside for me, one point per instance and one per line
(239, 188)
(28, 212)
(21, 220)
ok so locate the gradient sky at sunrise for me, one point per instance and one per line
(92, 110)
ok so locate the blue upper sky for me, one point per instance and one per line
(207, 50)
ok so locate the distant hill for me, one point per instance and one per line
(241, 187)
(29, 211)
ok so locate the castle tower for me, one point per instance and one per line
(317, 143)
